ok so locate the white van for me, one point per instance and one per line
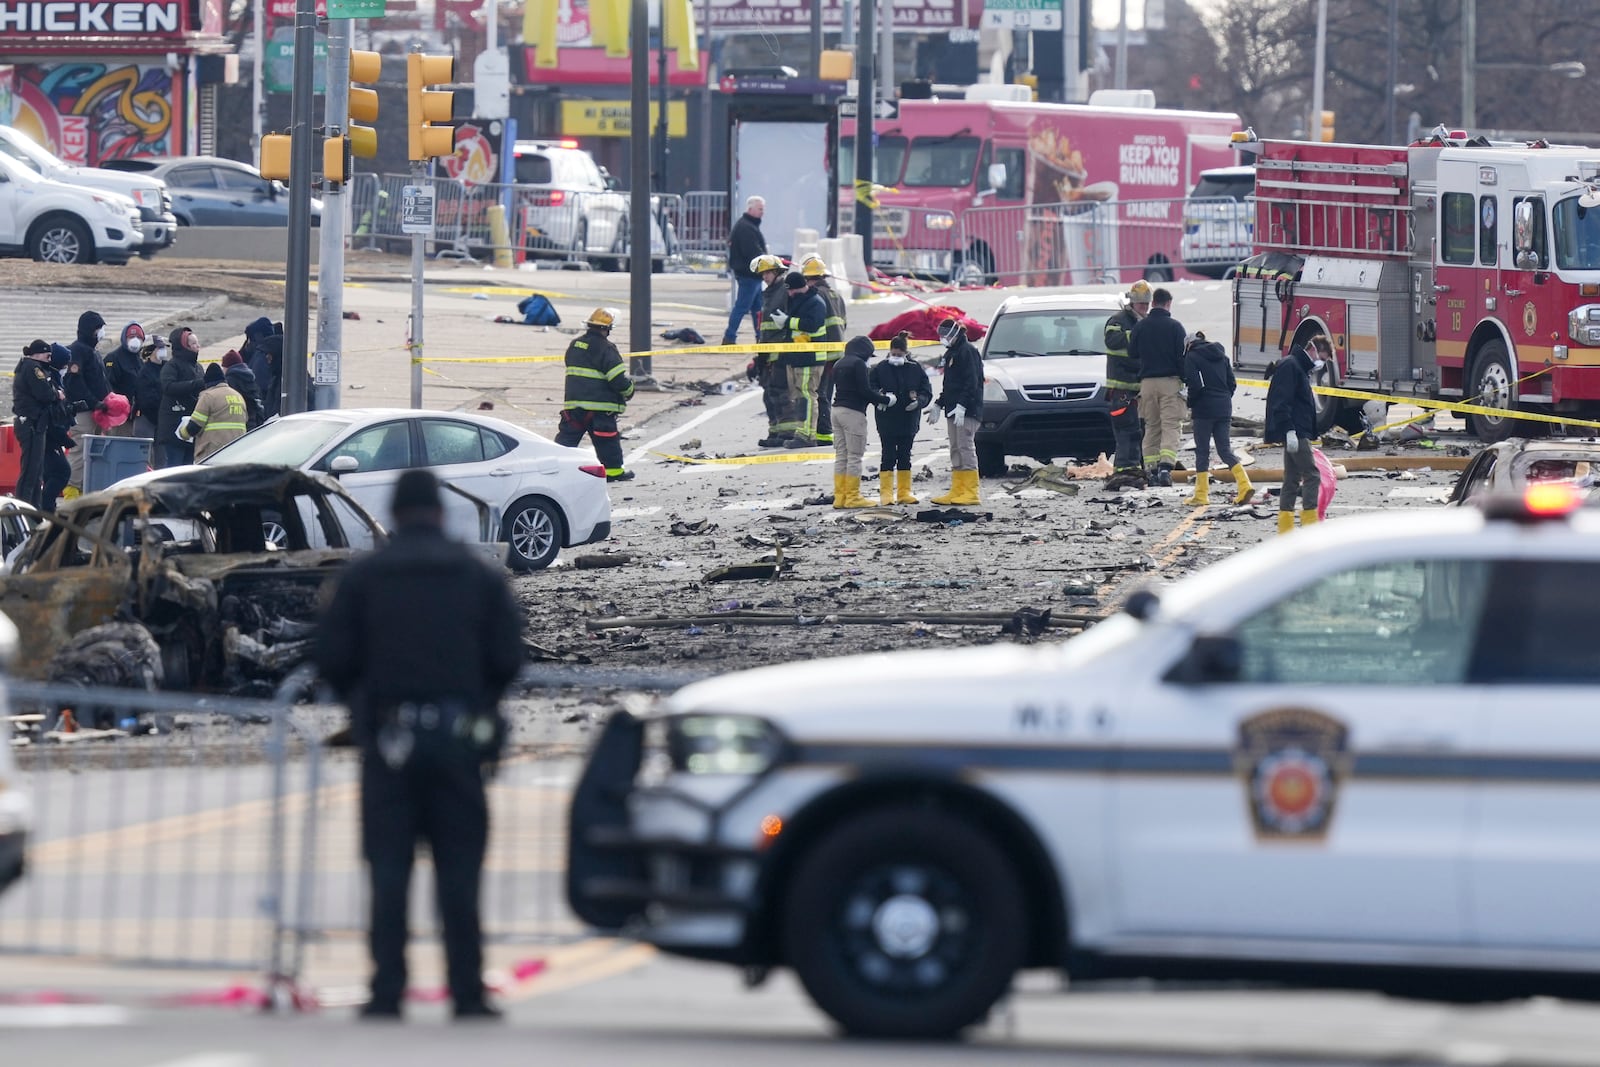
(1219, 221)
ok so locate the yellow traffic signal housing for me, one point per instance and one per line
(335, 160)
(275, 156)
(1327, 126)
(427, 107)
(365, 67)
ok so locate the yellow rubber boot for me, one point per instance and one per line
(886, 488)
(950, 497)
(1309, 517)
(841, 499)
(1202, 491)
(1285, 521)
(1247, 491)
(852, 494)
(903, 482)
(965, 491)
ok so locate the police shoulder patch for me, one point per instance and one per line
(39, 373)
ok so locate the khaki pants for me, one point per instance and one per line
(1162, 409)
(963, 434)
(849, 441)
(82, 426)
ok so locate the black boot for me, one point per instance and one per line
(1164, 475)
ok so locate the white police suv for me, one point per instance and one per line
(1367, 754)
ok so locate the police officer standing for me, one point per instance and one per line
(598, 390)
(424, 707)
(34, 397)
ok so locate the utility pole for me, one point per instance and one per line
(639, 194)
(419, 258)
(661, 106)
(1394, 68)
(886, 82)
(258, 80)
(1319, 71)
(866, 104)
(297, 276)
(1071, 48)
(330, 258)
(1121, 80)
(1469, 64)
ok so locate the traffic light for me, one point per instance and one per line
(335, 160)
(275, 156)
(425, 106)
(1327, 126)
(367, 68)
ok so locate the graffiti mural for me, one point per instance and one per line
(87, 113)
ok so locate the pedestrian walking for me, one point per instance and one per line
(961, 403)
(745, 243)
(243, 381)
(1208, 376)
(815, 272)
(219, 416)
(807, 318)
(33, 395)
(86, 388)
(181, 382)
(1292, 420)
(773, 329)
(597, 391)
(903, 378)
(122, 371)
(1156, 343)
(424, 710)
(852, 395)
(146, 395)
(1122, 390)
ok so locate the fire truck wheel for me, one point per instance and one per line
(1492, 385)
(1158, 270)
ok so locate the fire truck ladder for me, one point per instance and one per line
(1306, 207)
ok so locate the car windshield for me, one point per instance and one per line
(943, 161)
(1577, 232)
(891, 153)
(1211, 187)
(287, 443)
(1048, 333)
(534, 170)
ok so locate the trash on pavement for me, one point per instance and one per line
(686, 529)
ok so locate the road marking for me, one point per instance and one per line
(609, 966)
(214, 1059)
(638, 454)
(61, 1016)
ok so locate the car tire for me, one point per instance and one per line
(60, 239)
(974, 267)
(905, 923)
(991, 460)
(1158, 270)
(534, 529)
(1493, 385)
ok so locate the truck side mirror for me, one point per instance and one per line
(997, 177)
(344, 465)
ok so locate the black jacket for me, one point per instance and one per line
(852, 386)
(1291, 405)
(263, 351)
(912, 393)
(242, 380)
(122, 365)
(33, 390)
(90, 381)
(745, 242)
(963, 380)
(1209, 376)
(1122, 370)
(597, 379)
(380, 642)
(147, 391)
(808, 316)
(1157, 343)
(181, 382)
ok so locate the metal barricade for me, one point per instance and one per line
(1071, 243)
(703, 233)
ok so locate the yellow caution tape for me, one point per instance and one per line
(785, 457)
(1443, 405)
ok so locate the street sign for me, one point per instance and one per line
(280, 61)
(883, 109)
(355, 9)
(416, 209)
(325, 368)
(1021, 14)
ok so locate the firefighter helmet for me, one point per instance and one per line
(765, 262)
(813, 267)
(605, 318)
(1139, 292)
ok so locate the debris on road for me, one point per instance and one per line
(688, 529)
(599, 560)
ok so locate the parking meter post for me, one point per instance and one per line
(418, 255)
(330, 255)
(639, 195)
(297, 276)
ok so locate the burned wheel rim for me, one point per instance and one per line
(534, 533)
(274, 534)
(60, 244)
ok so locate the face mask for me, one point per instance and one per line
(1317, 365)
(163, 354)
(897, 360)
(135, 340)
(100, 334)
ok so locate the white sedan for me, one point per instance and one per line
(543, 496)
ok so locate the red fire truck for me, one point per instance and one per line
(1452, 268)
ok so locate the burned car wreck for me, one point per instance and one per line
(202, 578)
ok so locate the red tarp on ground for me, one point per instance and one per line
(923, 324)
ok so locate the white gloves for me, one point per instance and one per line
(1291, 441)
(186, 431)
(957, 413)
(890, 402)
(778, 318)
(933, 414)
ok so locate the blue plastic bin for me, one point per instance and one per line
(108, 460)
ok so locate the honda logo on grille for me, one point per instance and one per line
(1058, 392)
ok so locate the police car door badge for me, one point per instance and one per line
(1292, 762)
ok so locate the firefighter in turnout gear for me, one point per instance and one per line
(807, 316)
(815, 272)
(598, 390)
(767, 367)
(1122, 389)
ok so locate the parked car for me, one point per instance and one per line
(1219, 221)
(149, 193)
(1362, 755)
(1515, 463)
(547, 497)
(181, 557)
(1044, 367)
(567, 203)
(211, 191)
(57, 223)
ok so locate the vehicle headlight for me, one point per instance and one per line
(147, 197)
(722, 744)
(1583, 324)
(993, 390)
(941, 221)
(111, 207)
